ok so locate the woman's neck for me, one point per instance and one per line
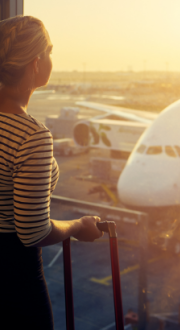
(14, 99)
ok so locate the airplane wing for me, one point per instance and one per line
(123, 113)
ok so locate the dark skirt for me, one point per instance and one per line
(24, 297)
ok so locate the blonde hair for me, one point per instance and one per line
(22, 39)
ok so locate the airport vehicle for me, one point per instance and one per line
(67, 147)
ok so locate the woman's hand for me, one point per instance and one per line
(88, 231)
(84, 229)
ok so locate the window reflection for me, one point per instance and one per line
(169, 151)
(154, 150)
(141, 149)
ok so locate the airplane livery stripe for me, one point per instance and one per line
(28, 175)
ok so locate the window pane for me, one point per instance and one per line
(141, 149)
(154, 150)
(177, 149)
(170, 152)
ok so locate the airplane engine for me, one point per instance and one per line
(108, 134)
(81, 134)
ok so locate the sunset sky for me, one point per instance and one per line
(111, 35)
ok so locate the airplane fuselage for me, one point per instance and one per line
(151, 177)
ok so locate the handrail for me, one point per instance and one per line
(96, 206)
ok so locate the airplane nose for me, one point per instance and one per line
(143, 184)
(130, 185)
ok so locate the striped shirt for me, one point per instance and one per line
(28, 175)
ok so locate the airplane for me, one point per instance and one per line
(120, 112)
(102, 131)
(150, 180)
(151, 177)
(117, 129)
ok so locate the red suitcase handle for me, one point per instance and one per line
(110, 227)
(68, 285)
(107, 226)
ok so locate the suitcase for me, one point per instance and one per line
(109, 227)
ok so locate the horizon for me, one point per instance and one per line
(123, 71)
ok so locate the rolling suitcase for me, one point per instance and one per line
(109, 227)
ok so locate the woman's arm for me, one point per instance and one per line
(33, 178)
(84, 229)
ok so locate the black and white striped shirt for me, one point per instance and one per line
(28, 175)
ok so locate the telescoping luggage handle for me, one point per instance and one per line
(109, 227)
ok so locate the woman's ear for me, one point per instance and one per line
(36, 64)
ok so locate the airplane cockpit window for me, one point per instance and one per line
(154, 150)
(141, 149)
(177, 149)
(169, 151)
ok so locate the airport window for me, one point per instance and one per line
(154, 150)
(141, 149)
(169, 151)
(177, 148)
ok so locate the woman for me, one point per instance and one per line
(28, 175)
